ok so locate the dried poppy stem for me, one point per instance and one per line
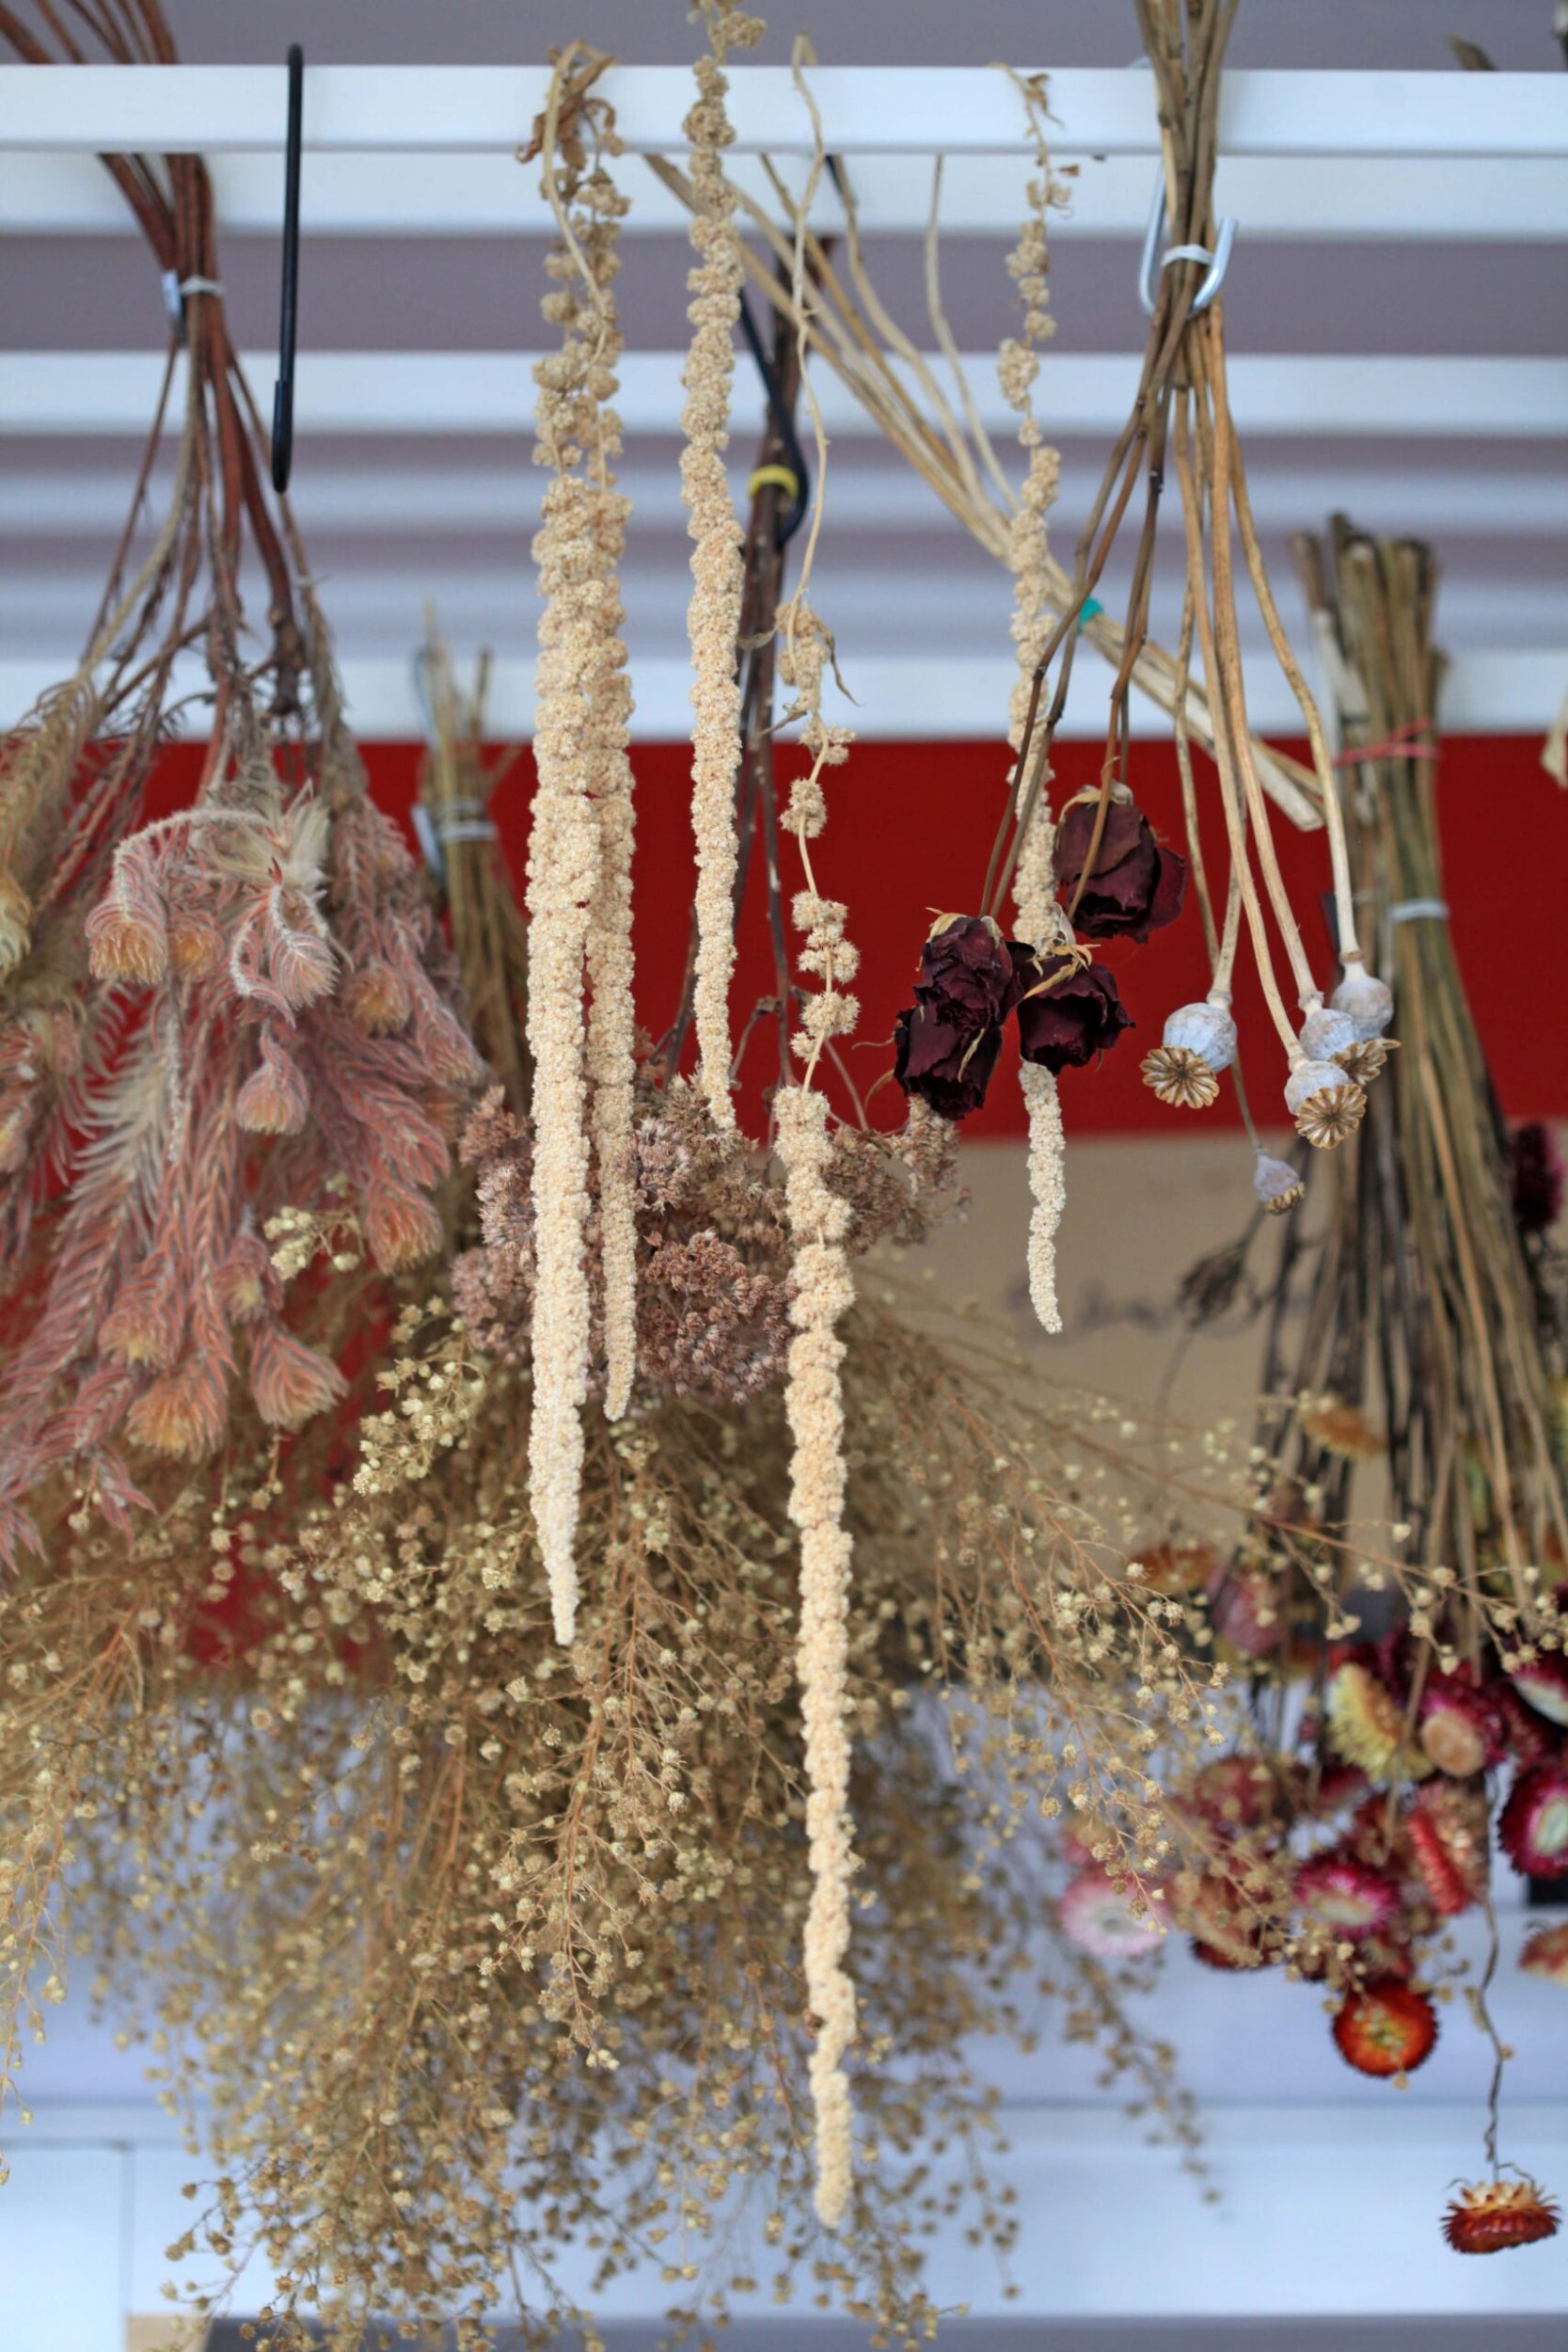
(1230, 794)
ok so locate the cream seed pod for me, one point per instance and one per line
(1199, 1042)
(1367, 1000)
(1326, 1032)
(1276, 1185)
(1326, 1103)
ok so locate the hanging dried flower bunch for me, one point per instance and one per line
(1434, 1682)
(236, 1014)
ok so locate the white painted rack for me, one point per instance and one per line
(403, 151)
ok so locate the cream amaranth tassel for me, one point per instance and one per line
(1040, 921)
(819, 1221)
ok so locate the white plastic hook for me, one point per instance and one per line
(1153, 260)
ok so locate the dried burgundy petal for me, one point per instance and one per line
(1136, 887)
(1068, 1013)
(966, 974)
(946, 1066)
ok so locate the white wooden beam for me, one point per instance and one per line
(1494, 200)
(491, 498)
(491, 392)
(866, 110)
(899, 698)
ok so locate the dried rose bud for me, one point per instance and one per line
(946, 1044)
(943, 1066)
(1136, 887)
(1069, 1013)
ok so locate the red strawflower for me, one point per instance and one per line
(1532, 1827)
(1346, 1895)
(1234, 1792)
(1530, 1737)
(1447, 1828)
(1098, 1916)
(1545, 1953)
(1135, 886)
(1488, 2216)
(1461, 1730)
(1387, 2028)
(1543, 1685)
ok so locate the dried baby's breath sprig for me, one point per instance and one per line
(580, 848)
(713, 618)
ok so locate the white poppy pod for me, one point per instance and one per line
(1368, 1000)
(1326, 1102)
(1326, 1031)
(1207, 1030)
(1276, 1184)
(1308, 1078)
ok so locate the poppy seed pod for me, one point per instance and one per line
(1369, 1001)
(1206, 1029)
(1325, 1104)
(1276, 1184)
(1199, 1042)
(1327, 1032)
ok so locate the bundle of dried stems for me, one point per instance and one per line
(1414, 1346)
(238, 1011)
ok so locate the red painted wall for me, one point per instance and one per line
(909, 827)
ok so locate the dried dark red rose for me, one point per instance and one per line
(1068, 1011)
(947, 1043)
(966, 973)
(946, 1066)
(1135, 884)
(1536, 1168)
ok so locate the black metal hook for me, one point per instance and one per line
(283, 391)
(784, 425)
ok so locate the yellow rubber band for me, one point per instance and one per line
(774, 477)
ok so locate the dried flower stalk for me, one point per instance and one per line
(713, 617)
(579, 856)
(1040, 921)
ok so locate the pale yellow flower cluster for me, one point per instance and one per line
(713, 615)
(580, 876)
(1041, 920)
(819, 1221)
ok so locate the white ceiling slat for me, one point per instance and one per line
(899, 698)
(866, 110)
(498, 500)
(1494, 200)
(487, 392)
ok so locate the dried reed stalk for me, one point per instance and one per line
(489, 932)
(1420, 1298)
